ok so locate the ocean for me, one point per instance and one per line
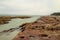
(14, 23)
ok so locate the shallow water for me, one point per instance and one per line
(13, 24)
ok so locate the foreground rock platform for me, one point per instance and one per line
(44, 28)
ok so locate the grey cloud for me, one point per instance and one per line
(26, 6)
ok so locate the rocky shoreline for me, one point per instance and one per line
(45, 28)
(6, 19)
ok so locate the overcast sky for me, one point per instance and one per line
(29, 7)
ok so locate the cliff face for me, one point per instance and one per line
(57, 14)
